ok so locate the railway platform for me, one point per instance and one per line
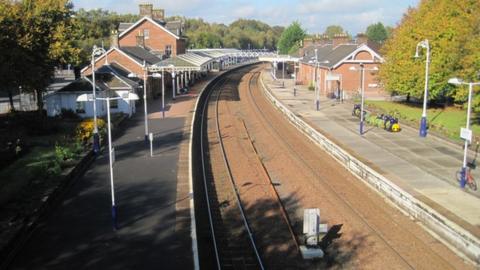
(422, 167)
(152, 195)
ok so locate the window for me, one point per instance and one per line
(168, 50)
(80, 107)
(114, 104)
(146, 33)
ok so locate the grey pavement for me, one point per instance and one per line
(78, 234)
(424, 167)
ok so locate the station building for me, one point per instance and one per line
(329, 62)
(140, 50)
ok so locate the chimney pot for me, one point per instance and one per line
(146, 10)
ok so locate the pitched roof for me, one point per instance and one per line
(124, 26)
(107, 78)
(338, 54)
(113, 78)
(334, 55)
(140, 54)
(79, 85)
(155, 22)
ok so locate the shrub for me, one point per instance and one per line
(311, 87)
(63, 153)
(84, 130)
(51, 168)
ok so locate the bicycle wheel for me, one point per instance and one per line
(472, 184)
(356, 112)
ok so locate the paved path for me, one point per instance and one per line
(152, 199)
(425, 167)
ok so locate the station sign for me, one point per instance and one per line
(466, 134)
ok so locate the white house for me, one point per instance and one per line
(108, 79)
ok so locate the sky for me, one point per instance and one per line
(314, 15)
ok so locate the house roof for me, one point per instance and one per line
(338, 54)
(107, 77)
(79, 85)
(139, 62)
(140, 54)
(333, 55)
(115, 77)
(124, 26)
(155, 22)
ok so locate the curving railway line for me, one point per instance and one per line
(255, 175)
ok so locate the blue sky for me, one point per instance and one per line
(314, 15)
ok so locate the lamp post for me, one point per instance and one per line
(129, 96)
(315, 78)
(145, 80)
(423, 122)
(275, 70)
(96, 51)
(173, 84)
(362, 84)
(465, 133)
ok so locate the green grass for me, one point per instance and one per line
(446, 121)
(20, 173)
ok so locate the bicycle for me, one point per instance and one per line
(470, 181)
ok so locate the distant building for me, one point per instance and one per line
(109, 80)
(335, 57)
(153, 33)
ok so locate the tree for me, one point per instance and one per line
(377, 32)
(36, 36)
(454, 42)
(290, 37)
(333, 30)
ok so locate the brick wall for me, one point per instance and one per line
(158, 38)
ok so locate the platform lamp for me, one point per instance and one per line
(145, 83)
(423, 122)
(96, 51)
(465, 133)
(362, 76)
(111, 153)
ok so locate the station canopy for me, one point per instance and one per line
(193, 60)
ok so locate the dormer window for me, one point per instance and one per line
(146, 33)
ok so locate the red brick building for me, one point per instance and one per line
(334, 60)
(153, 33)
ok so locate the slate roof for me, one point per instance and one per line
(177, 62)
(328, 53)
(140, 54)
(107, 78)
(123, 26)
(79, 85)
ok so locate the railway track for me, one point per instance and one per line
(249, 228)
(386, 238)
(233, 241)
(259, 173)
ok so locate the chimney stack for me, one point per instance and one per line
(114, 39)
(158, 14)
(362, 38)
(340, 39)
(146, 10)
